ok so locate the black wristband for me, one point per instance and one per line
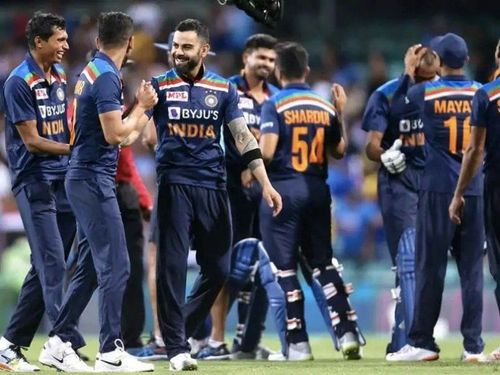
(251, 155)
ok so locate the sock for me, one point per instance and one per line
(159, 341)
(4, 343)
(214, 343)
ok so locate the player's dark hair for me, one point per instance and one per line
(429, 56)
(199, 28)
(260, 41)
(42, 25)
(292, 60)
(115, 29)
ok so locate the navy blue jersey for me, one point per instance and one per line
(29, 96)
(306, 125)
(486, 114)
(98, 90)
(189, 117)
(443, 107)
(380, 115)
(251, 109)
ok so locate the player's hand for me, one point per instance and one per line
(273, 198)
(412, 59)
(393, 159)
(456, 209)
(146, 96)
(339, 97)
(247, 178)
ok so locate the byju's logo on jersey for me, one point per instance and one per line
(177, 96)
(41, 94)
(211, 100)
(174, 113)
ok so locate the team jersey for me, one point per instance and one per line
(486, 114)
(306, 125)
(380, 116)
(29, 96)
(189, 117)
(443, 108)
(98, 90)
(251, 109)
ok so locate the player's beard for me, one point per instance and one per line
(262, 72)
(188, 66)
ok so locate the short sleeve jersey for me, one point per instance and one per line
(189, 117)
(380, 115)
(28, 96)
(444, 109)
(306, 125)
(486, 114)
(97, 91)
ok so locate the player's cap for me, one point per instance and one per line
(168, 46)
(452, 49)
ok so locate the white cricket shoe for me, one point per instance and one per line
(12, 360)
(474, 357)
(61, 356)
(410, 353)
(300, 351)
(350, 346)
(120, 361)
(183, 362)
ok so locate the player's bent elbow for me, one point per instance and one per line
(113, 139)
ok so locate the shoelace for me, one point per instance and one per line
(406, 349)
(19, 354)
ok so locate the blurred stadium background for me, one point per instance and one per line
(358, 43)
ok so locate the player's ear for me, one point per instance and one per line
(204, 50)
(245, 58)
(97, 43)
(38, 42)
(308, 70)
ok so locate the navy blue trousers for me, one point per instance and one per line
(188, 213)
(50, 227)
(436, 234)
(102, 260)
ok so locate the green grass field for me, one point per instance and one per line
(328, 361)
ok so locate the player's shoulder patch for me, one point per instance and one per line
(214, 82)
(95, 69)
(60, 72)
(23, 71)
(169, 80)
(492, 89)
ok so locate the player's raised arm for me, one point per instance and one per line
(124, 132)
(339, 96)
